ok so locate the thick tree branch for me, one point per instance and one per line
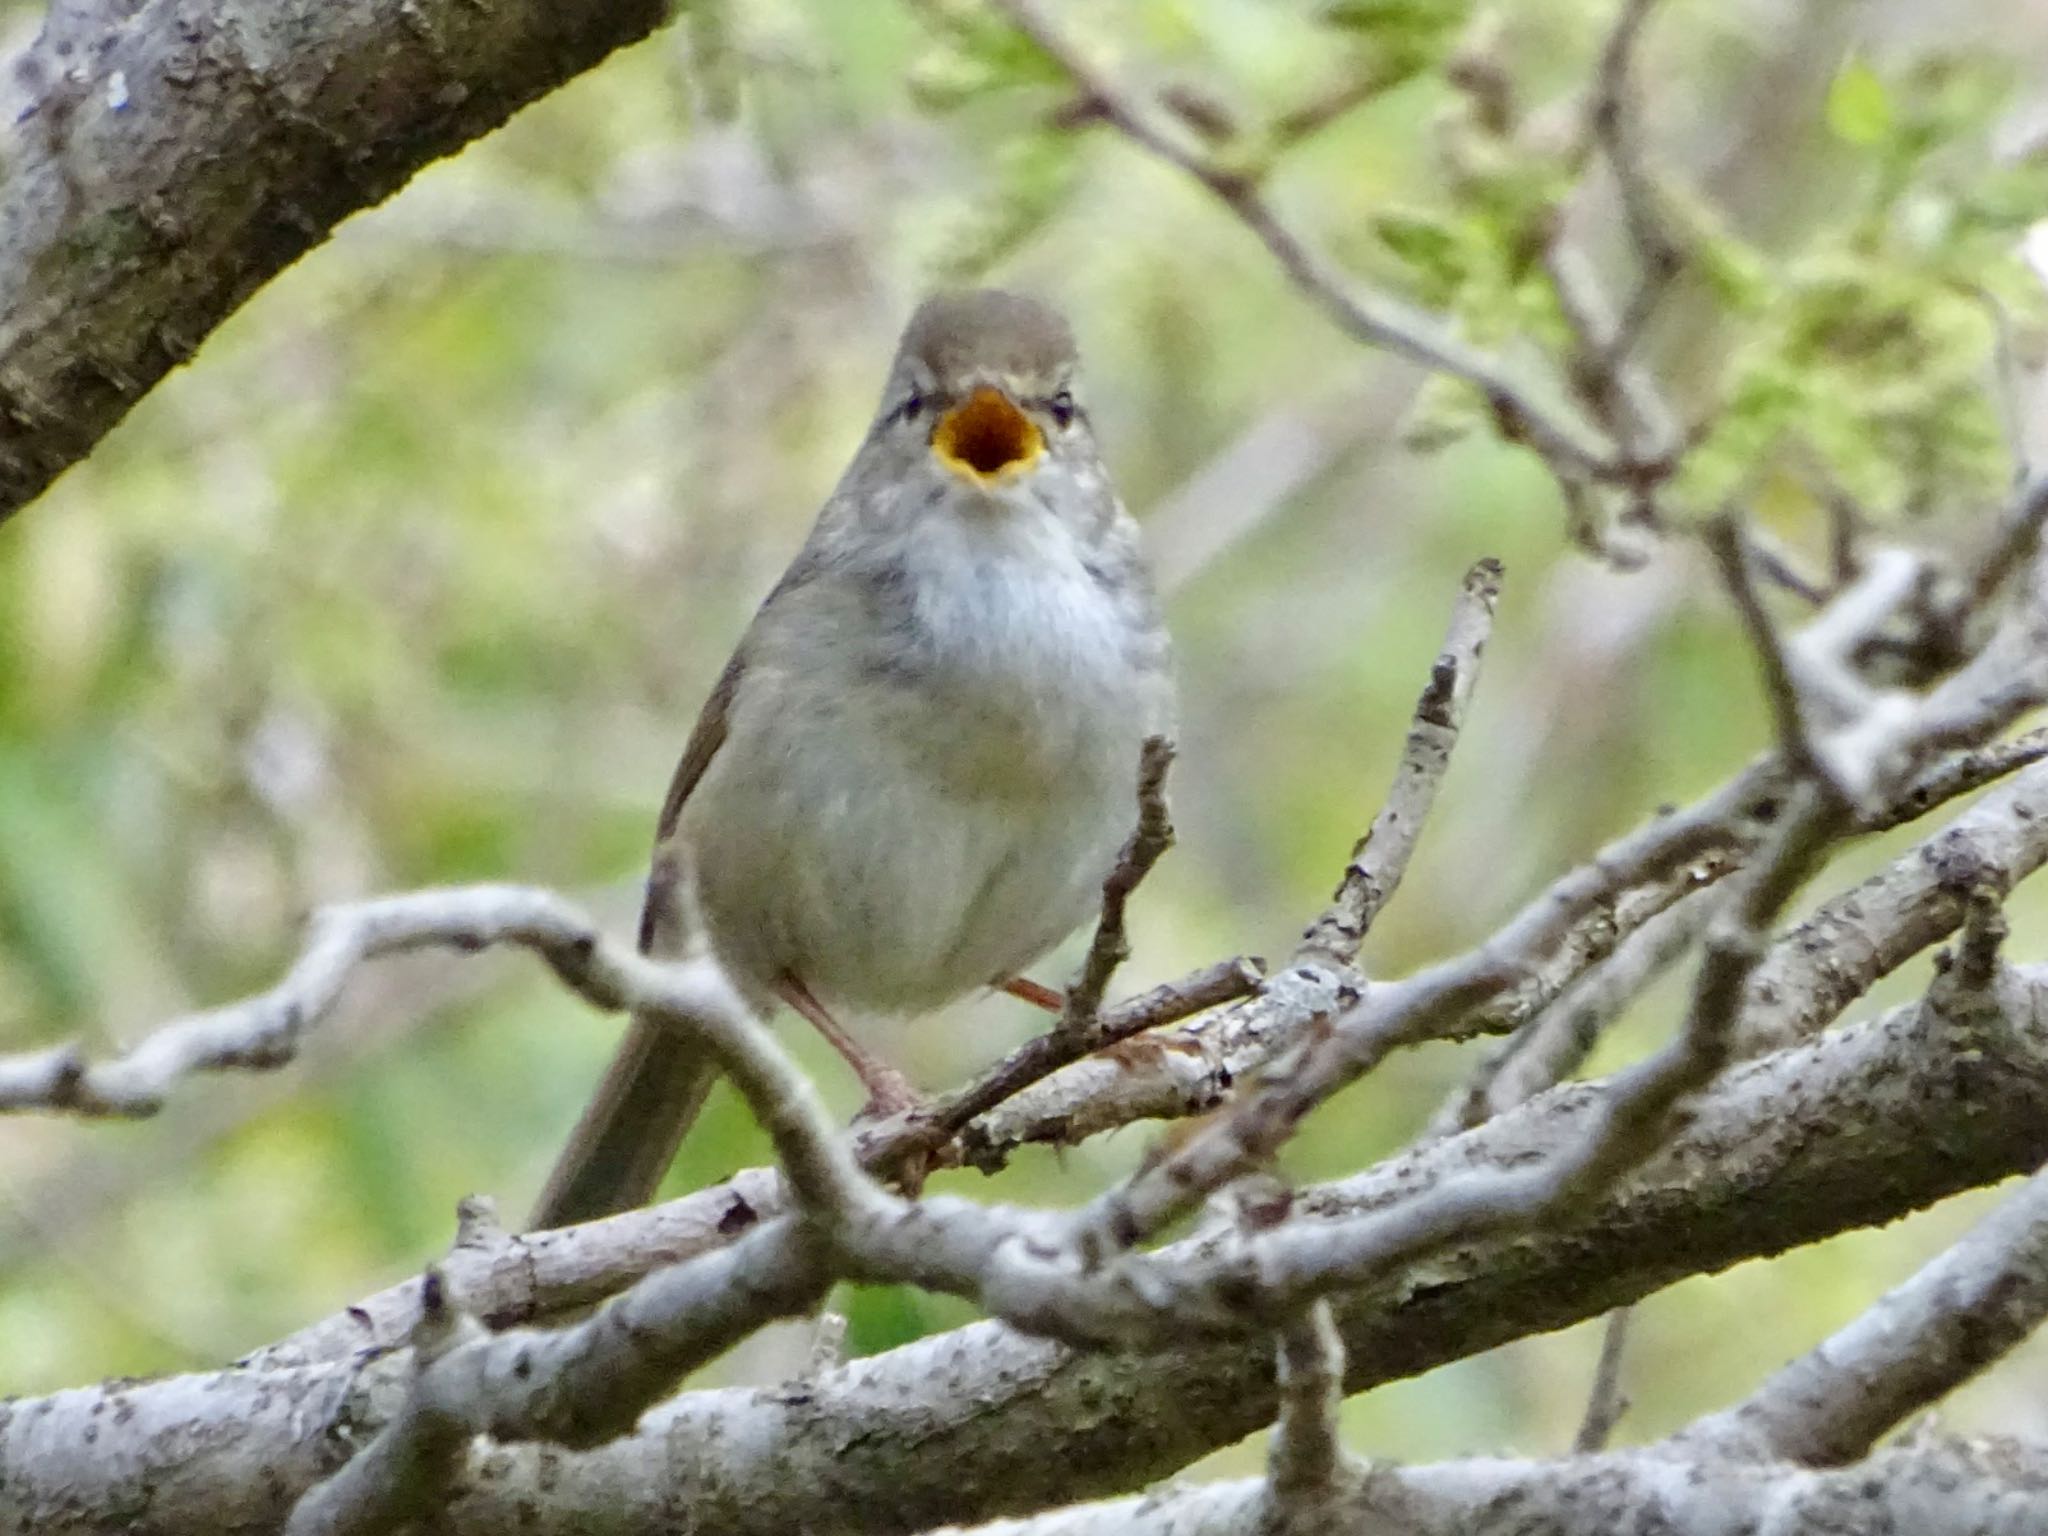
(180, 156)
(1938, 1488)
(1823, 1137)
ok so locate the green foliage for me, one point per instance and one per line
(1398, 39)
(1029, 185)
(1879, 373)
(1859, 106)
(1872, 351)
(974, 54)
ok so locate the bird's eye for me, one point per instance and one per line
(1062, 405)
(912, 406)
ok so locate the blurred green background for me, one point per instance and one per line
(419, 572)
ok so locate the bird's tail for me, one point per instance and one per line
(629, 1133)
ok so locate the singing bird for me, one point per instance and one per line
(916, 770)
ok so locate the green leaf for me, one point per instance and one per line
(1859, 107)
(1427, 242)
(1446, 411)
(1408, 23)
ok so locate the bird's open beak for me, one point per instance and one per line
(987, 439)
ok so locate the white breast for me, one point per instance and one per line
(924, 795)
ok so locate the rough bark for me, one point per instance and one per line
(177, 155)
(1856, 1127)
(1943, 1488)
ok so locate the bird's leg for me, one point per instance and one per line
(889, 1091)
(1036, 993)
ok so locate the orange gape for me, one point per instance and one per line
(987, 435)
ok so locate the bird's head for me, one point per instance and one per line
(984, 381)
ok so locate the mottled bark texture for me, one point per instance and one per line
(1939, 1488)
(177, 154)
(1855, 1127)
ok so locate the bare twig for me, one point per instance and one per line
(1271, 1273)
(1377, 319)
(1553, 1044)
(1889, 738)
(1633, 1118)
(1382, 855)
(1724, 539)
(1839, 950)
(1613, 119)
(1150, 839)
(1615, 385)
(1917, 1344)
(1607, 1402)
(1039, 1057)
(261, 1033)
(1435, 1004)
(1959, 774)
(1300, 123)
(1306, 1467)
(2015, 540)
(1777, 567)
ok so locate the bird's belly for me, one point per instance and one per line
(895, 845)
(892, 872)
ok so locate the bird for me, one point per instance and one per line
(912, 777)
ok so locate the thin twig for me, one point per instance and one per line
(1378, 319)
(1301, 123)
(1633, 1118)
(263, 1032)
(1307, 1472)
(1039, 1057)
(1957, 775)
(1607, 1402)
(1434, 1004)
(1878, 744)
(1614, 384)
(2014, 542)
(1382, 855)
(1148, 841)
(1614, 121)
(1724, 540)
(1552, 1045)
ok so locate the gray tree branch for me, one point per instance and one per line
(1820, 1138)
(177, 157)
(1939, 1488)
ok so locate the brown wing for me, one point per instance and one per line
(656, 1083)
(657, 914)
